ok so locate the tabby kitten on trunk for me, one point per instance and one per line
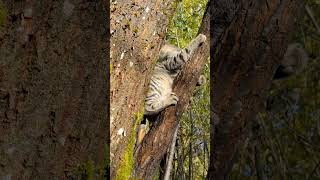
(160, 95)
(170, 63)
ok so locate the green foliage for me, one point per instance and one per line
(185, 23)
(194, 129)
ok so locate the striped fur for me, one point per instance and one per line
(170, 63)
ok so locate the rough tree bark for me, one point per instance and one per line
(137, 32)
(53, 79)
(249, 51)
(159, 138)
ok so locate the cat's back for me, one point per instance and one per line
(162, 80)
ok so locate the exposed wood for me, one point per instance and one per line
(250, 50)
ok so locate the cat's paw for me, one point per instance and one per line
(202, 38)
(173, 99)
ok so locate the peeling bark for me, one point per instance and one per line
(52, 89)
(250, 50)
(159, 138)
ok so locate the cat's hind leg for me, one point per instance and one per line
(155, 105)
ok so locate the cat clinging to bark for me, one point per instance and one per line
(170, 63)
(160, 95)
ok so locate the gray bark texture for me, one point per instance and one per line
(250, 41)
(53, 83)
(138, 30)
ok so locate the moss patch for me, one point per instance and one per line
(89, 170)
(86, 171)
(127, 163)
(126, 166)
(3, 14)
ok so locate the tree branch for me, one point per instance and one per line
(172, 148)
(157, 141)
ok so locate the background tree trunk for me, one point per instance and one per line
(159, 138)
(52, 89)
(138, 29)
(250, 50)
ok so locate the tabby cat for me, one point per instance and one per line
(170, 63)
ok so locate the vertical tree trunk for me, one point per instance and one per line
(250, 50)
(137, 32)
(52, 89)
(159, 138)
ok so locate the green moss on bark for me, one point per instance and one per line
(127, 163)
(3, 14)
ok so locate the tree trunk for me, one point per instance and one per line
(52, 89)
(137, 31)
(250, 50)
(159, 138)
